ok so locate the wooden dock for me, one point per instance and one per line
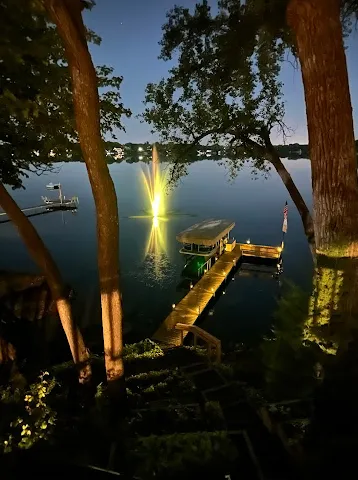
(260, 251)
(42, 209)
(191, 306)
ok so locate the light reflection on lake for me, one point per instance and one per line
(157, 265)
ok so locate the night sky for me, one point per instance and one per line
(131, 30)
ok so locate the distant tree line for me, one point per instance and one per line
(135, 152)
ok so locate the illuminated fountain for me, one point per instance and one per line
(156, 262)
(154, 180)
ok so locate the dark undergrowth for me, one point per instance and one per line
(165, 429)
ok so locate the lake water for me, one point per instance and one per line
(149, 281)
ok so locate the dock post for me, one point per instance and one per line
(195, 340)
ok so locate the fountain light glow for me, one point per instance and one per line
(156, 261)
(156, 205)
(155, 181)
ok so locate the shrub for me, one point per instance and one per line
(144, 349)
(30, 418)
(168, 456)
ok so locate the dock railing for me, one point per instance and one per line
(260, 251)
(213, 343)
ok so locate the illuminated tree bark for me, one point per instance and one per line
(7, 351)
(333, 312)
(44, 260)
(318, 32)
(316, 25)
(66, 14)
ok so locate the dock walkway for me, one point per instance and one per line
(42, 209)
(190, 307)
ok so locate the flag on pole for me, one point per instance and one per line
(52, 186)
(285, 213)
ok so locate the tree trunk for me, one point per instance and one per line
(271, 154)
(333, 316)
(295, 194)
(318, 33)
(44, 260)
(66, 14)
(317, 28)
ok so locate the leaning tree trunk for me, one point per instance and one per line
(318, 34)
(44, 260)
(295, 194)
(270, 152)
(297, 199)
(67, 16)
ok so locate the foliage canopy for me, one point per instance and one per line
(224, 88)
(36, 113)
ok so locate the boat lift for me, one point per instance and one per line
(48, 205)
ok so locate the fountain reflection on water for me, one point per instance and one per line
(156, 259)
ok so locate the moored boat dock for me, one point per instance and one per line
(192, 305)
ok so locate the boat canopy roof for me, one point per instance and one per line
(207, 232)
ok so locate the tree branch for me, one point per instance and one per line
(174, 173)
